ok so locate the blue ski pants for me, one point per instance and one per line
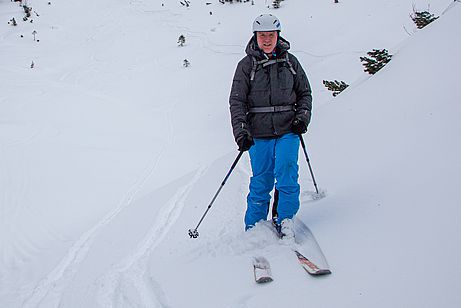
(273, 161)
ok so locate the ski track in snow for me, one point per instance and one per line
(237, 49)
(127, 279)
(56, 280)
(27, 138)
(207, 43)
(11, 206)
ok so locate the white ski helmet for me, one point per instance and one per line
(266, 23)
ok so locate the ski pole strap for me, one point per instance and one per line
(271, 109)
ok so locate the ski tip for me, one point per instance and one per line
(316, 271)
(262, 270)
(320, 272)
(310, 267)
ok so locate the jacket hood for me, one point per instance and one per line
(252, 48)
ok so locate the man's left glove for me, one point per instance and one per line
(245, 142)
(298, 127)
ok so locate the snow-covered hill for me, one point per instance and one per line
(110, 150)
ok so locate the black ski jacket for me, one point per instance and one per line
(273, 85)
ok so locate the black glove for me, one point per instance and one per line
(298, 127)
(245, 142)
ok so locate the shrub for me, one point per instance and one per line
(13, 22)
(377, 60)
(276, 4)
(335, 86)
(422, 19)
(181, 40)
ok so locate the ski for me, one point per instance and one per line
(262, 270)
(315, 263)
(310, 266)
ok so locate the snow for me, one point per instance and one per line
(110, 150)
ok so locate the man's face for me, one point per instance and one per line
(267, 40)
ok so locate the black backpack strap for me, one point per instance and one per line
(290, 66)
(267, 62)
(253, 70)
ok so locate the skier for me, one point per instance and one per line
(270, 106)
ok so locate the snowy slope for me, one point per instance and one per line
(110, 150)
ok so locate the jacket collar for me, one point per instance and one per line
(281, 48)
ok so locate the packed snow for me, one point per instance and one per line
(111, 150)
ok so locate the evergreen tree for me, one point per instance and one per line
(232, 1)
(13, 22)
(181, 40)
(27, 10)
(422, 19)
(335, 86)
(377, 60)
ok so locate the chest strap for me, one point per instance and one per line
(271, 109)
(267, 62)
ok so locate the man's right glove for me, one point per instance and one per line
(298, 127)
(245, 142)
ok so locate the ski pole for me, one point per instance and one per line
(308, 162)
(193, 233)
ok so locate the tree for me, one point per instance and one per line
(422, 19)
(27, 10)
(377, 60)
(13, 22)
(335, 86)
(276, 4)
(181, 40)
